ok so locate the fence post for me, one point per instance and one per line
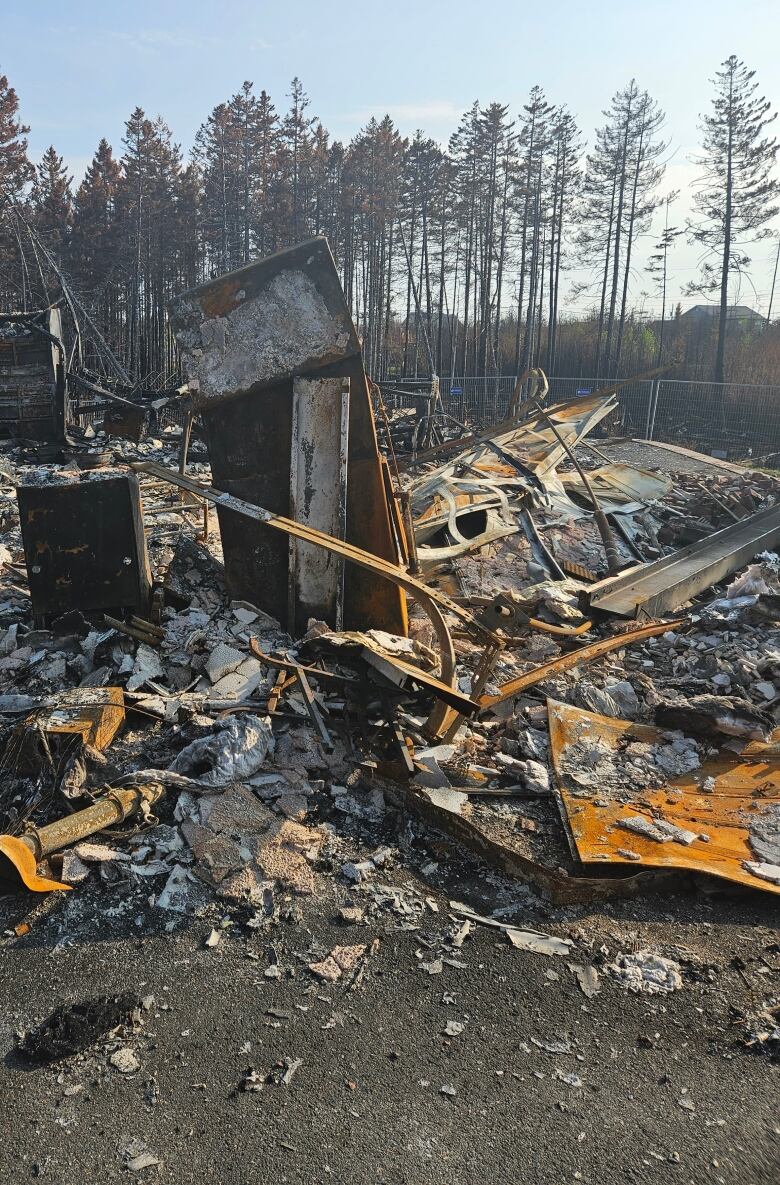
(651, 427)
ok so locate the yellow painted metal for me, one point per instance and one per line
(21, 856)
(93, 713)
(744, 786)
(25, 851)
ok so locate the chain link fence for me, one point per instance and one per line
(737, 420)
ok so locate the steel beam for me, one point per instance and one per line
(650, 590)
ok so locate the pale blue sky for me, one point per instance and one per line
(81, 66)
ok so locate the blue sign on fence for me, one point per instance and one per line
(456, 390)
(584, 390)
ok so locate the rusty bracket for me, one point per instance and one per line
(565, 662)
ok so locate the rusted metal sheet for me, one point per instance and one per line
(244, 338)
(565, 662)
(94, 715)
(700, 825)
(284, 315)
(84, 542)
(554, 883)
(652, 589)
(318, 498)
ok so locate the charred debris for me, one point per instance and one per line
(537, 639)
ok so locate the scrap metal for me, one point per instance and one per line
(430, 599)
(700, 821)
(245, 338)
(23, 853)
(565, 662)
(664, 585)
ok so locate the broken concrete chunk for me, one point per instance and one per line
(223, 660)
(764, 871)
(286, 852)
(448, 800)
(98, 853)
(658, 830)
(176, 891)
(764, 834)
(125, 1060)
(147, 666)
(340, 959)
(74, 870)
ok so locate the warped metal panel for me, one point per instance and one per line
(620, 487)
(720, 815)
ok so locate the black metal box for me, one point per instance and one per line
(84, 542)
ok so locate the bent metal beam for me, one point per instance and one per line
(431, 600)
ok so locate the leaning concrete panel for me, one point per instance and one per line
(281, 316)
(245, 382)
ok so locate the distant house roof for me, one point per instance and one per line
(737, 312)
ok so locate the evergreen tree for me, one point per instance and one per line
(146, 204)
(295, 143)
(658, 267)
(534, 145)
(15, 173)
(622, 177)
(94, 242)
(52, 202)
(736, 195)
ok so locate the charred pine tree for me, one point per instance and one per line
(16, 172)
(658, 268)
(736, 195)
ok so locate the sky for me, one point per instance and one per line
(80, 68)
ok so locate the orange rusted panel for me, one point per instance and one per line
(743, 788)
(93, 713)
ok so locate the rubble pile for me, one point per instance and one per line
(167, 739)
(203, 708)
